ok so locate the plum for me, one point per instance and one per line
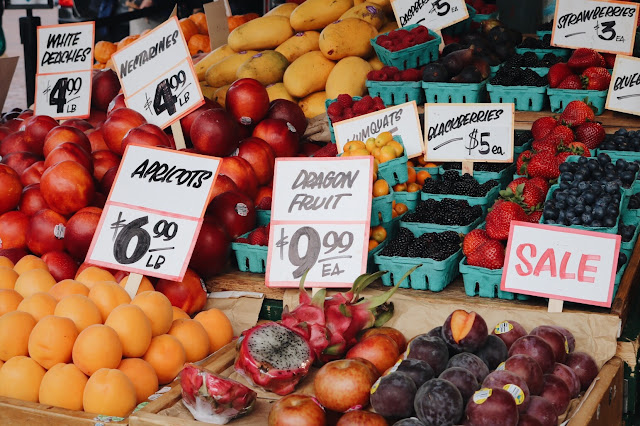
(420, 371)
(392, 395)
(465, 331)
(512, 383)
(435, 332)
(410, 421)
(584, 366)
(463, 379)
(492, 407)
(493, 352)
(569, 377)
(432, 350)
(542, 410)
(527, 368)
(438, 402)
(528, 420)
(509, 331)
(472, 363)
(571, 341)
(454, 62)
(555, 339)
(556, 392)
(537, 349)
(435, 72)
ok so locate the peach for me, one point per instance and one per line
(108, 179)
(69, 151)
(46, 232)
(60, 264)
(62, 134)
(13, 230)
(36, 129)
(117, 102)
(33, 173)
(20, 161)
(260, 157)
(32, 200)
(103, 160)
(96, 140)
(241, 173)
(80, 229)
(67, 187)
(380, 349)
(105, 86)
(187, 294)
(223, 184)
(118, 123)
(78, 123)
(14, 142)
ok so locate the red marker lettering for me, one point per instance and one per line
(527, 264)
(583, 267)
(548, 255)
(564, 275)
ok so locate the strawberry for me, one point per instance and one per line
(474, 239)
(335, 110)
(500, 217)
(534, 216)
(513, 186)
(577, 113)
(572, 82)
(345, 100)
(329, 150)
(489, 255)
(544, 165)
(522, 162)
(560, 134)
(264, 204)
(258, 237)
(578, 148)
(596, 78)
(591, 134)
(557, 73)
(532, 196)
(609, 59)
(540, 183)
(542, 126)
(561, 157)
(584, 58)
(545, 145)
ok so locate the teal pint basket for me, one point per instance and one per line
(484, 202)
(410, 199)
(462, 26)
(541, 71)
(371, 264)
(565, 53)
(454, 93)
(384, 206)
(628, 246)
(433, 275)
(485, 282)
(519, 149)
(395, 171)
(411, 57)
(251, 258)
(433, 171)
(625, 155)
(479, 17)
(397, 92)
(525, 98)
(504, 176)
(559, 98)
(263, 217)
(419, 228)
(541, 34)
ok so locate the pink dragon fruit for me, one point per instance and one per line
(214, 399)
(273, 357)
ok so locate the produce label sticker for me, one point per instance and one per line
(154, 212)
(434, 14)
(561, 263)
(157, 75)
(469, 132)
(602, 25)
(64, 70)
(401, 120)
(320, 219)
(624, 89)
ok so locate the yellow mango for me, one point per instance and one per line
(263, 33)
(389, 26)
(317, 14)
(212, 57)
(221, 95)
(348, 76)
(385, 4)
(307, 74)
(376, 63)
(368, 12)
(224, 71)
(284, 9)
(313, 104)
(278, 91)
(267, 67)
(349, 37)
(207, 91)
(299, 44)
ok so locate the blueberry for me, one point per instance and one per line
(583, 186)
(588, 209)
(622, 258)
(560, 196)
(634, 167)
(566, 177)
(596, 175)
(550, 221)
(604, 158)
(565, 185)
(550, 212)
(570, 214)
(598, 212)
(627, 176)
(564, 167)
(561, 205)
(574, 191)
(583, 160)
(596, 223)
(609, 222)
(561, 216)
(612, 187)
(586, 218)
(579, 175)
(588, 196)
(621, 131)
(592, 164)
(611, 211)
(579, 208)
(572, 200)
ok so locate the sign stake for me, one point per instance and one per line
(133, 283)
(555, 305)
(178, 136)
(467, 167)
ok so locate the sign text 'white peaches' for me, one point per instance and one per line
(433, 14)
(64, 70)
(402, 120)
(624, 89)
(561, 263)
(469, 132)
(320, 219)
(603, 25)
(152, 218)
(157, 75)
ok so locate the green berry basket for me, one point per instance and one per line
(628, 246)
(525, 98)
(565, 53)
(326, 105)
(493, 70)
(541, 71)
(384, 206)
(541, 34)
(462, 26)
(631, 216)
(519, 149)
(433, 171)
(559, 98)
(479, 17)
(454, 93)
(432, 275)
(411, 57)
(503, 176)
(485, 282)
(250, 257)
(484, 202)
(395, 171)
(263, 217)
(396, 92)
(371, 264)
(410, 199)
(625, 155)
(419, 228)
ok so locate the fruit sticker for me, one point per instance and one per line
(374, 388)
(516, 392)
(482, 395)
(503, 327)
(624, 88)
(500, 366)
(602, 25)
(435, 14)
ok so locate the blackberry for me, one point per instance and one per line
(530, 59)
(546, 41)
(626, 231)
(522, 138)
(478, 167)
(405, 234)
(634, 202)
(516, 60)
(450, 237)
(546, 26)
(399, 245)
(429, 238)
(417, 249)
(530, 43)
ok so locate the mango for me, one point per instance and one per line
(267, 67)
(221, 94)
(224, 71)
(368, 12)
(207, 91)
(278, 91)
(284, 9)
(376, 63)
(349, 37)
(299, 44)
(263, 33)
(313, 104)
(348, 76)
(385, 4)
(317, 14)
(388, 27)
(307, 74)
(212, 57)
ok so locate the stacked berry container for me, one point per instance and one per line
(461, 187)
(408, 47)
(396, 87)
(525, 88)
(444, 215)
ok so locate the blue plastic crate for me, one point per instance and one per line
(565, 53)
(559, 98)
(462, 26)
(419, 228)
(484, 202)
(411, 57)
(397, 92)
(525, 98)
(432, 275)
(251, 258)
(452, 93)
(263, 217)
(384, 206)
(410, 199)
(485, 282)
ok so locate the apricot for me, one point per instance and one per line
(142, 375)
(34, 281)
(52, 340)
(68, 287)
(8, 277)
(39, 305)
(20, 378)
(217, 326)
(133, 329)
(193, 337)
(79, 309)
(97, 346)
(109, 392)
(167, 357)
(107, 296)
(63, 386)
(29, 262)
(15, 328)
(157, 308)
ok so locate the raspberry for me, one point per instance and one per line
(264, 204)
(411, 74)
(422, 38)
(419, 30)
(383, 39)
(371, 75)
(347, 114)
(329, 150)
(367, 103)
(242, 240)
(397, 77)
(258, 237)
(381, 76)
(409, 40)
(390, 72)
(334, 110)
(378, 104)
(398, 34)
(345, 100)
(359, 109)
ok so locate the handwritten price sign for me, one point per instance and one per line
(434, 14)
(603, 25)
(624, 89)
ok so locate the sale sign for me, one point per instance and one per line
(624, 89)
(602, 25)
(154, 212)
(469, 132)
(157, 75)
(63, 76)
(561, 263)
(399, 120)
(433, 14)
(320, 219)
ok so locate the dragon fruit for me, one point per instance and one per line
(274, 357)
(214, 399)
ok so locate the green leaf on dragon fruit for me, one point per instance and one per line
(344, 311)
(383, 314)
(318, 298)
(363, 281)
(382, 298)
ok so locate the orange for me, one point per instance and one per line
(217, 326)
(34, 281)
(400, 208)
(189, 28)
(92, 275)
(380, 188)
(79, 309)
(15, 328)
(51, 341)
(145, 284)
(107, 296)
(133, 328)
(142, 375)
(414, 187)
(432, 164)
(68, 287)
(400, 187)
(96, 347)
(422, 176)
(8, 277)
(20, 378)
(393, 214)
(63, 386)
(39, 305)
(378, 233)
(372, 244)
(200, 19)
(167, 356)
(109, 392)
(30, 262)
(103, 50)
(193, 336)
(157, 308)
(6, 262)
(126, 41)
(178, 313)
(9, 300)
(199, 43)
(412, 174)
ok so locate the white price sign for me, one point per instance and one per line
(152, 218)
(402, 120)
(561, 263)
(320, 219)
(433, 14)
(64, 95)
(157, 75)
(603, 25)
(469, 132)
(624, 89)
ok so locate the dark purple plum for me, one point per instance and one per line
(463, 379)
(438, 402)
(569, 377)
(465, 331)
(472, 363)
(435, 72)
(528, 420)
(492, 407)
(556, 392)
(432, 350)
(571, 341)
(493, 352)
(537, 349)
(542, 410)
(419, 371)
(555, 339)
(435, 332)
(512, 383)
(392, 395)
(584, 366)
(509, 331)
(527, 368)
(410, 421)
